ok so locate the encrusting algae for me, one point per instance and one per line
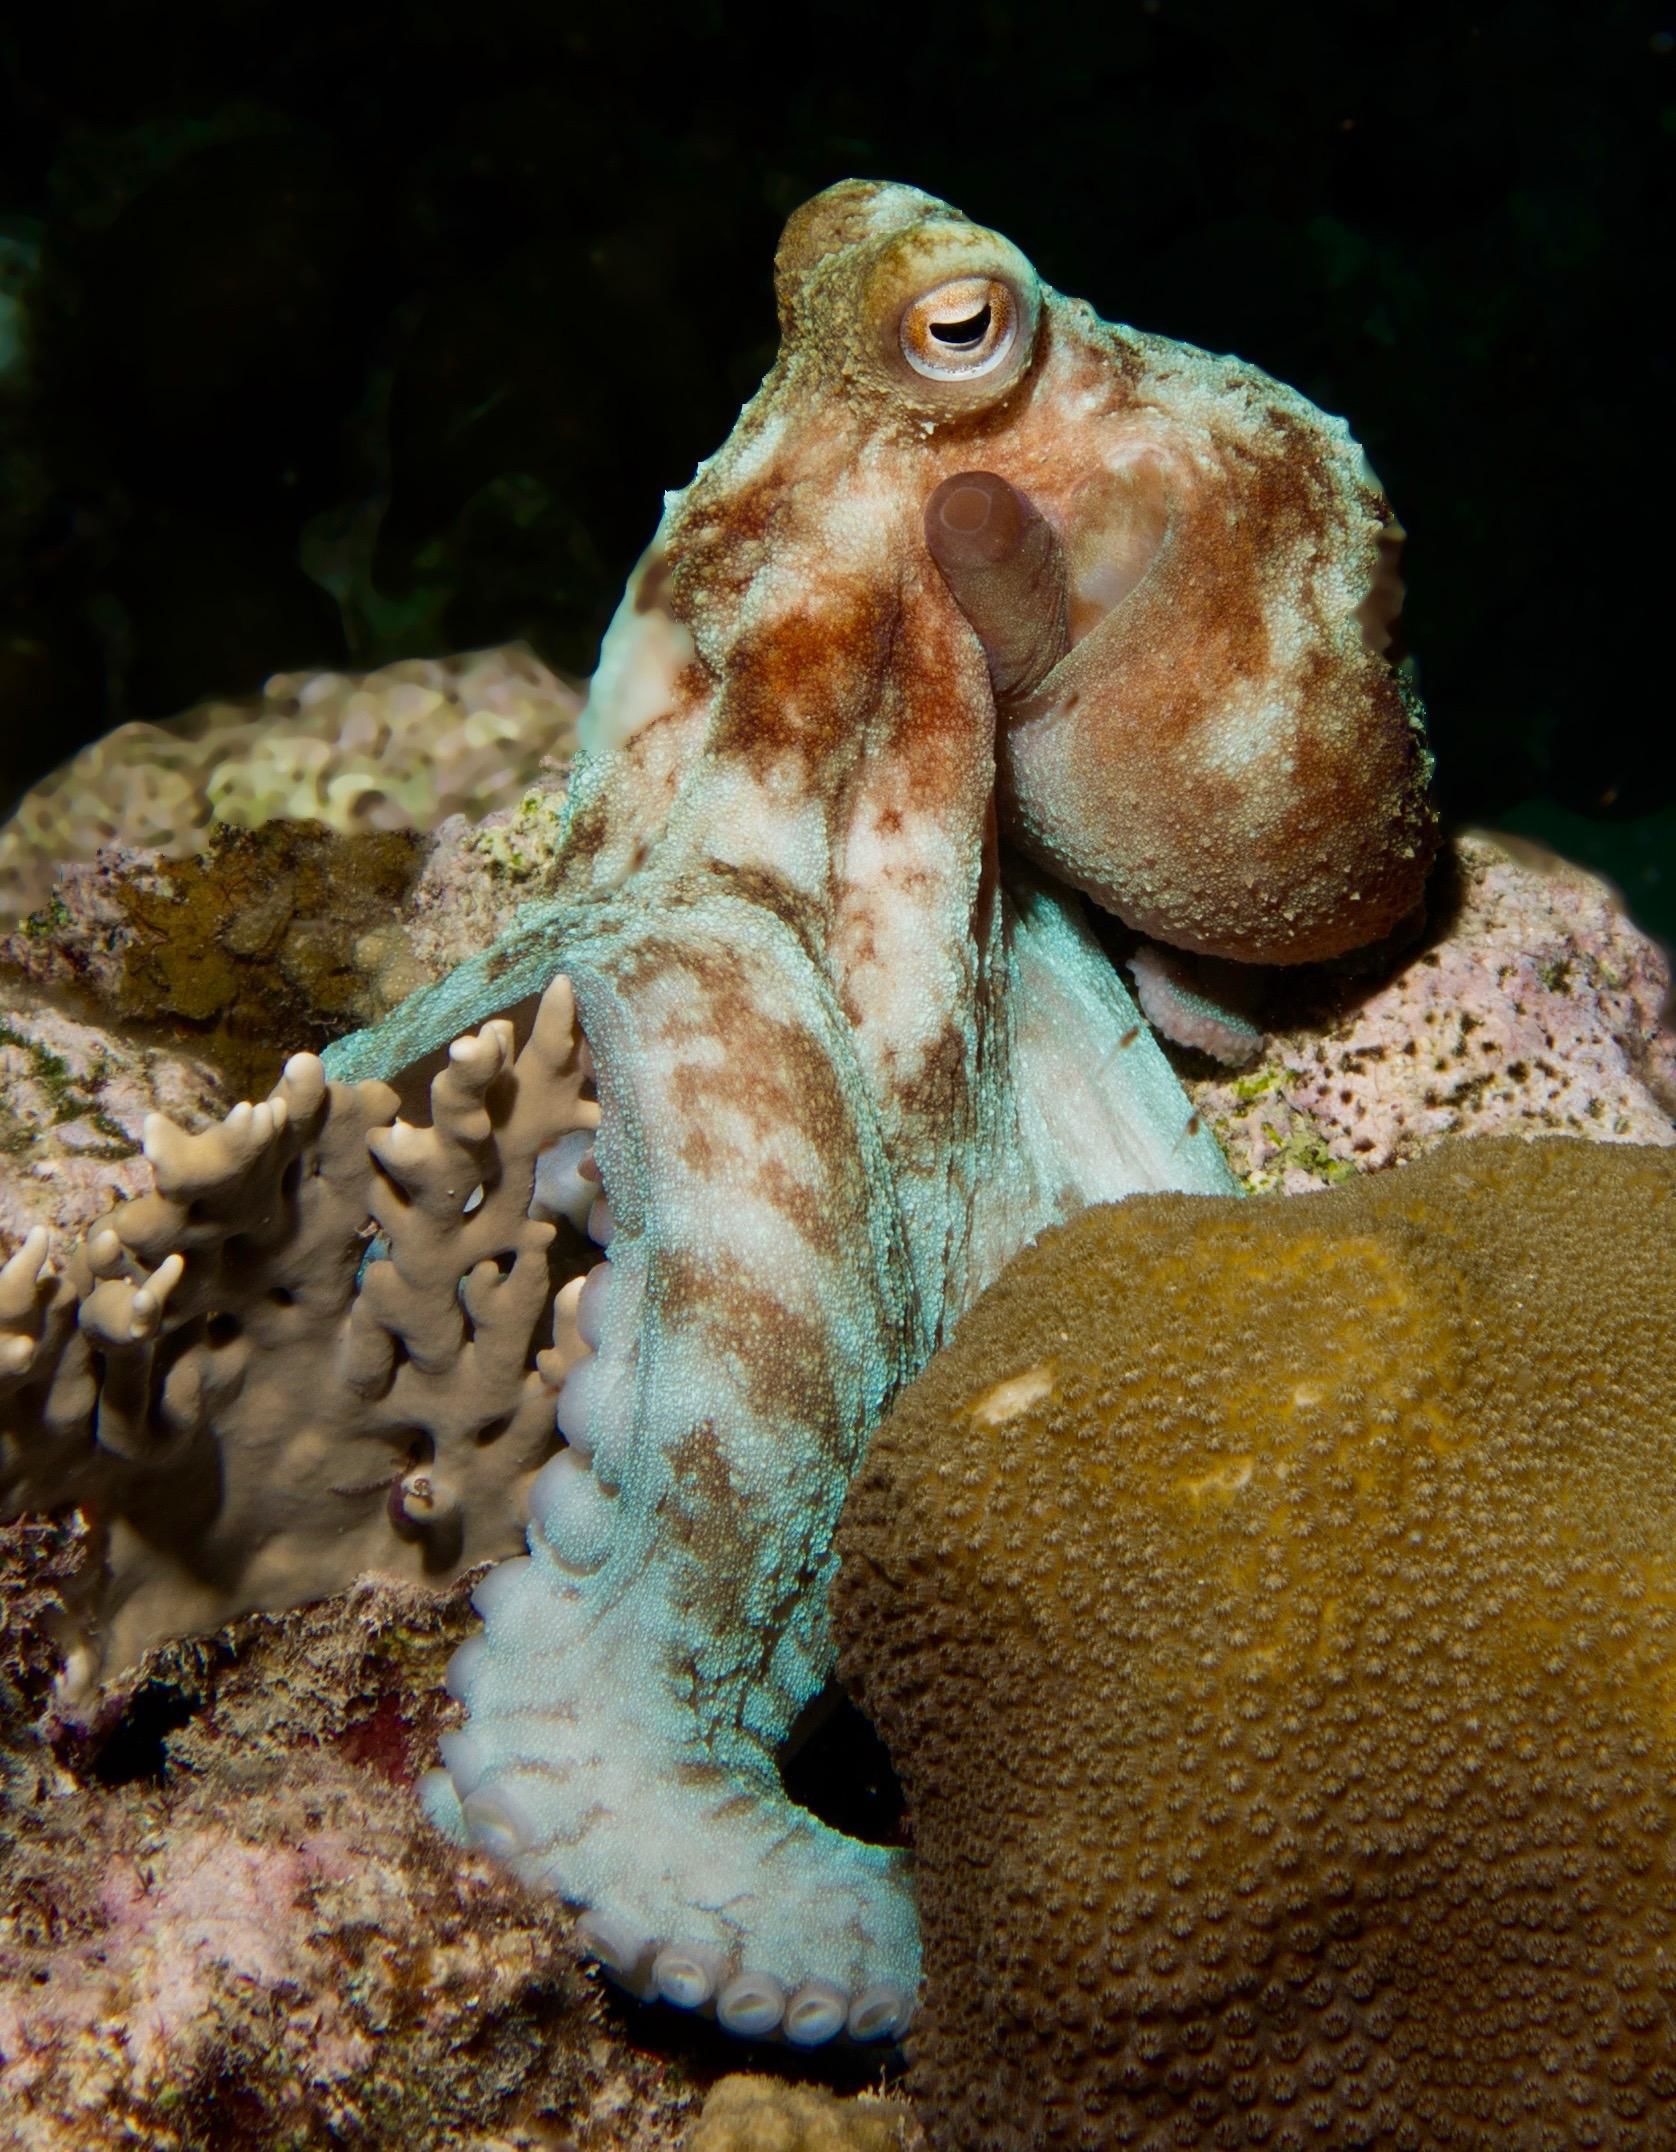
(1271, 1610)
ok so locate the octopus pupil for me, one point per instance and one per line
(970, 331)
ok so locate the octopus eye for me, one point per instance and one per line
(961, 329)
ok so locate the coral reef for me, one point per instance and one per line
(398, 749)
(631, 896)
(851, 1056)
(311, 1350)
(1535, 1005)
(487, 143)
(759, 2114)
(1267, 1607)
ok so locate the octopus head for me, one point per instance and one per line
(1181, 574)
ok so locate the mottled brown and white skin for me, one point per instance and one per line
(852, 1052)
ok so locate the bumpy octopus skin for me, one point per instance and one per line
(852, 1053)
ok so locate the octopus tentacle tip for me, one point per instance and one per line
(1193, 1006)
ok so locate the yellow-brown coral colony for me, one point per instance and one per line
(1272, 1611)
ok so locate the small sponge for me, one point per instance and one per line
(759, 2114)
(1271, 1610)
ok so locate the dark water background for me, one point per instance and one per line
(334, 335)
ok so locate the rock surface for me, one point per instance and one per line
(1533, 1005)
(398, 749)
(760, 2114)
(224, 1929)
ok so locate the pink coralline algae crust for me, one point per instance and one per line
(1535, 1007)
(264, 1948)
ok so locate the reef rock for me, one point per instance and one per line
(259, 876)
(220, 1927)
(398, 749)
(74, 1099)
(1533, 1004)
(1268, 1607)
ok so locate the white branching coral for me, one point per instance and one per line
(313, 1350)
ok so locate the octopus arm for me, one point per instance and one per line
(1101, 1112)
(639, 1670)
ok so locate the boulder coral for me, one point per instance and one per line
(397, 749)
(1271, 1611)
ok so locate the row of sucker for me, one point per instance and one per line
(591, 1367)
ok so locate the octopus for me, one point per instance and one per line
(984, 607)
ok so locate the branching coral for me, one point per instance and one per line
(1271, 1609)
(312, 1350)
